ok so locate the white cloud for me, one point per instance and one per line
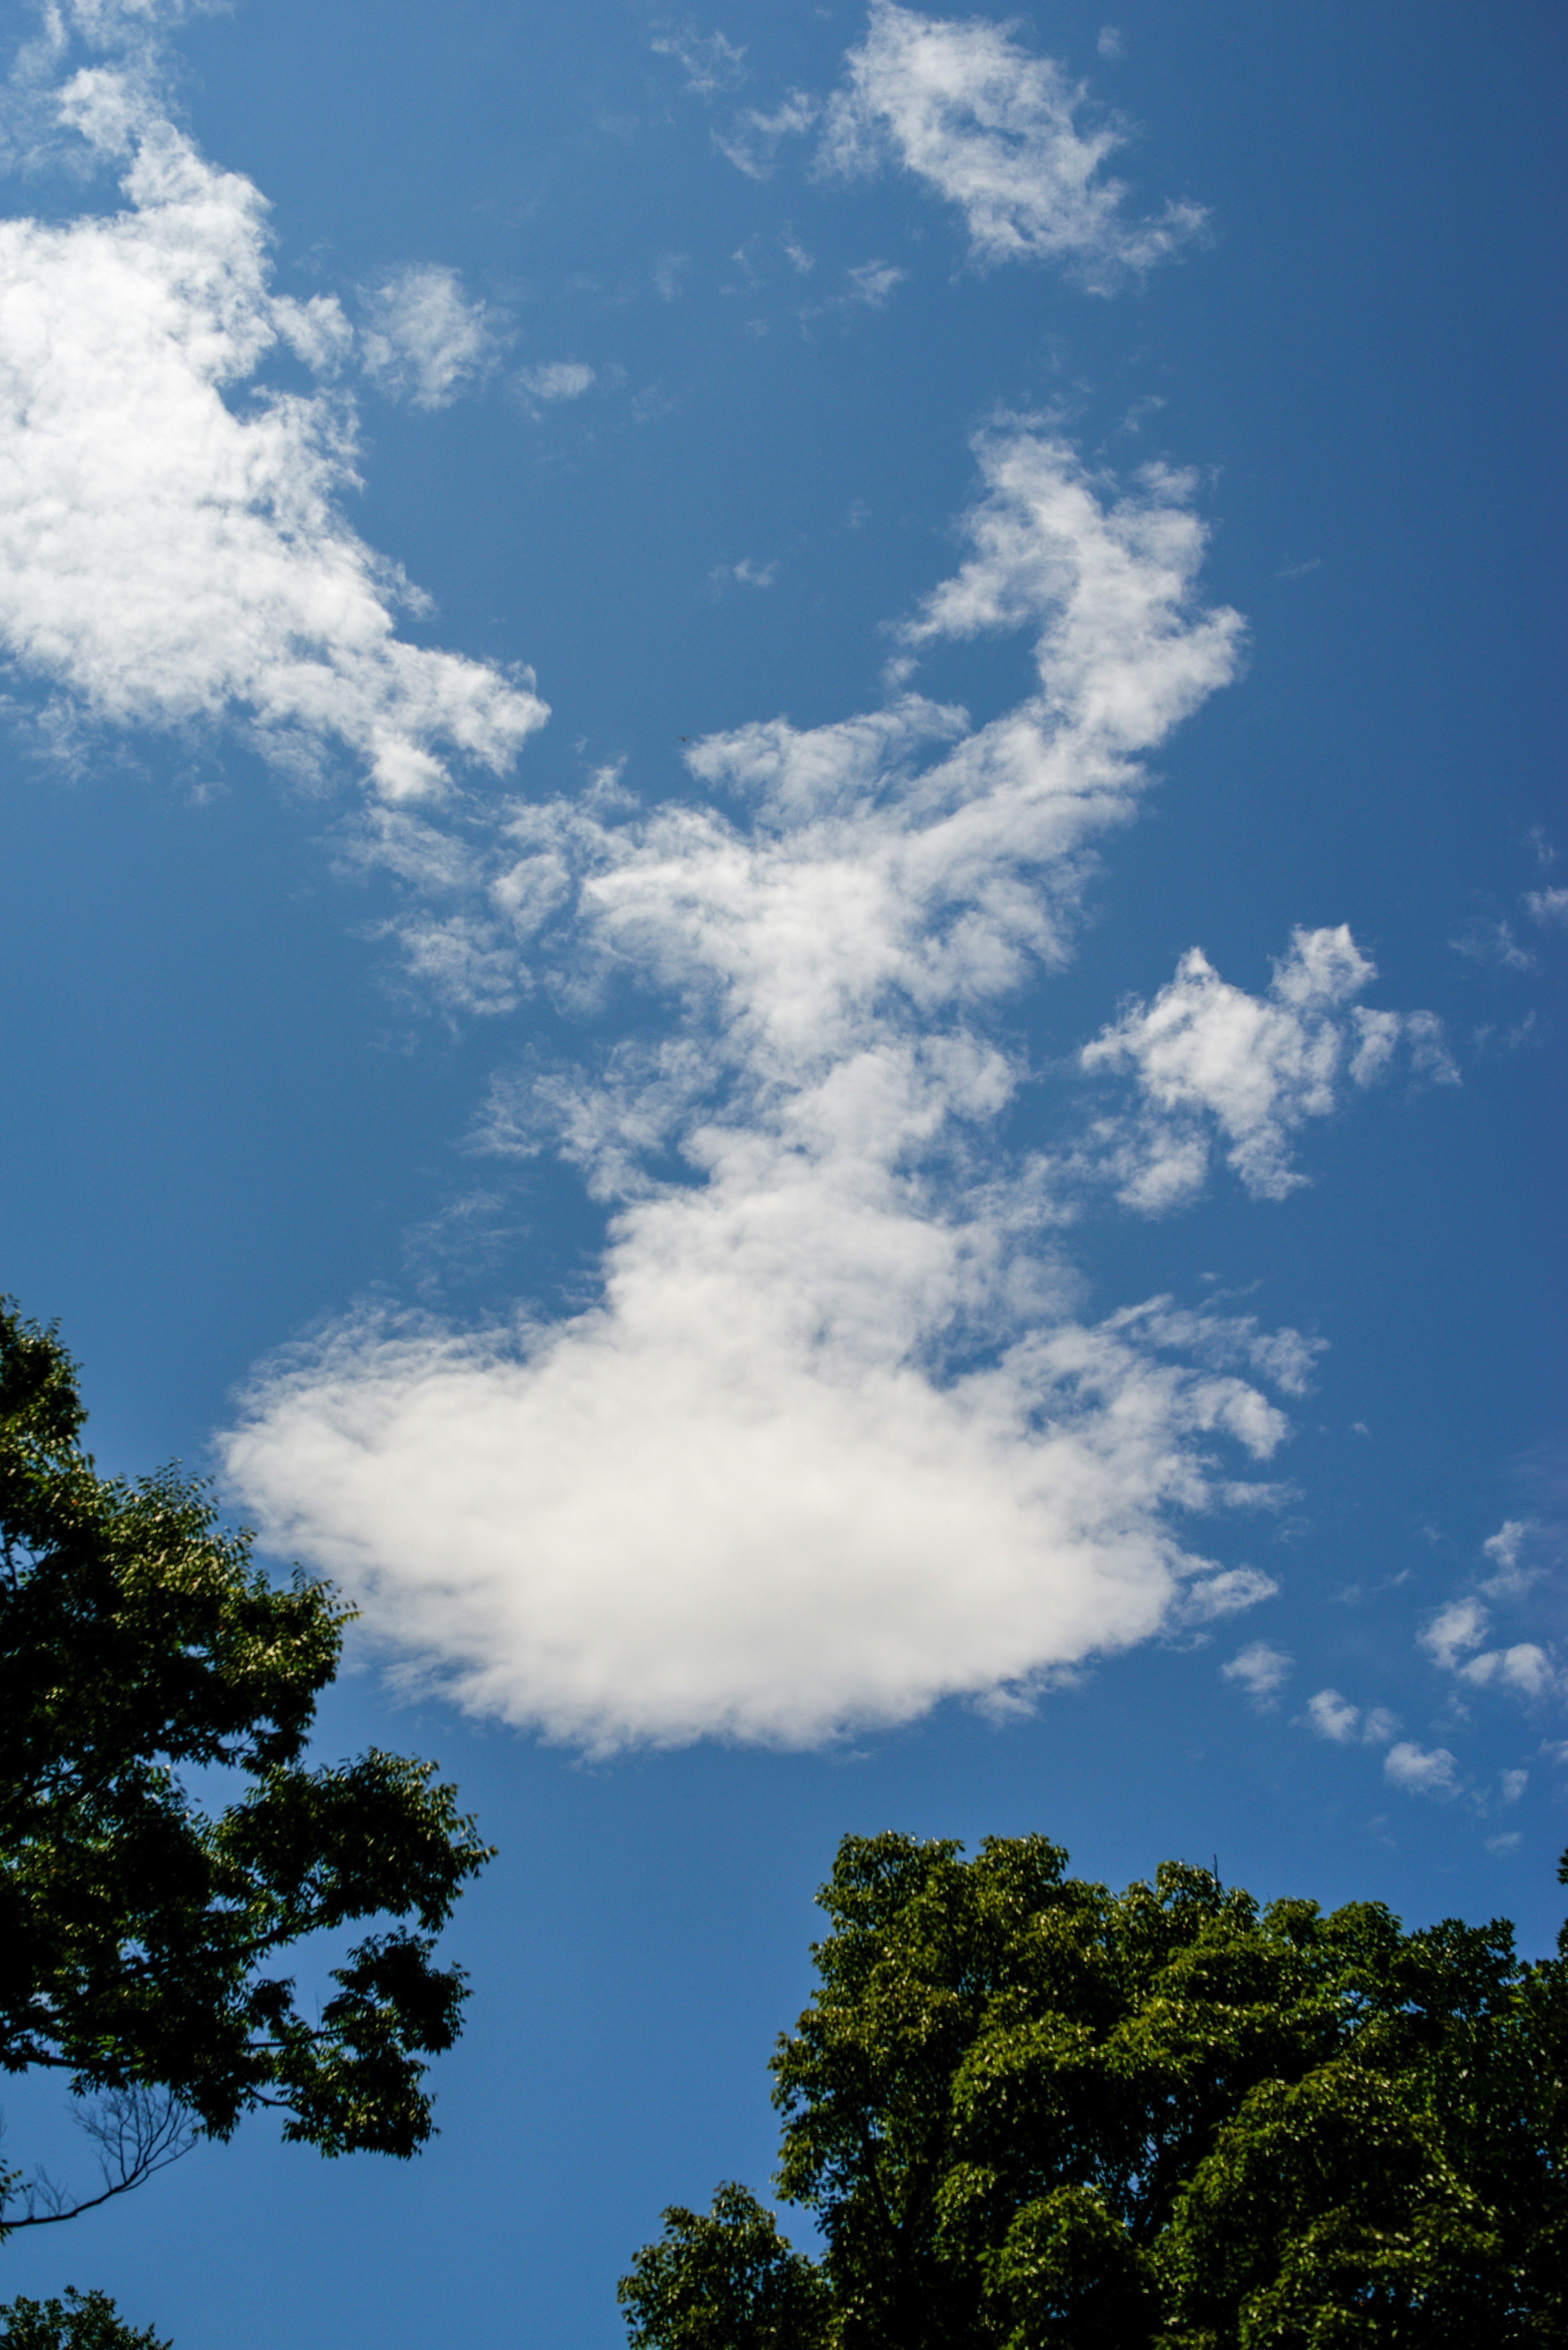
(1509, 1578)
(1548, 906)
(555, 379)
(1002, 135)
(709, 61)
(746, 573)
(1513, 1784)
(1261, 1670)
(1110, 43)
(1258, 1067)
(171, 556)
(1424, 1770)
(1284, 1358)
(1525, 1667)
(1489, 940)
(1461, 1626)
(424, 340)
(871, 282)
(1453, 1640)
(838, 1439)
(754, 138)
(1332, 1716)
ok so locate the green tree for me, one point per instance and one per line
(725, 2279)
(1026, 2111)
(142, 1936)
(81, 2322)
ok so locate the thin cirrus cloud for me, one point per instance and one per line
(1003, 135)
(172, 559)
(709, 61)
(838, 1440)
(425, 341)
(1205, 1056)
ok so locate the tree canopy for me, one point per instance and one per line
(1025, 2111)
(142, 1937)
(83, 2321)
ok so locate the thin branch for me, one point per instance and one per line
(136, 2132)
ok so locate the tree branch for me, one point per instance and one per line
(136, 2132)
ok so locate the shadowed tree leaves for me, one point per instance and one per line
(141, 1937)
(725, 2279)
(1025, 2111)
(83, 2321)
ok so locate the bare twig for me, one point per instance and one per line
(137, 2131)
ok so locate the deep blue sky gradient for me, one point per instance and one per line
(226, 1120)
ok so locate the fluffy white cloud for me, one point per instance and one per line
(426, 342)
(1453, 1630)
(837, 1439)
(171, 552)
(1548, 906)
(1261, 1670)
(1258, 1067)
(1454, 1639)
(1002, 134)
(1422, 1770)
(1332, 1716)
(699, 1510)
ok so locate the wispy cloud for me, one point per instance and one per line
(553, 380)
(172, 555)
(836, 1441)
(753, 138)
(1257, 1067)
(1503, 1549)
(746, 574)
(1422, 1770)
(871, 282)
(1333, 1717)
(1548, 907)
(1004, 135)
(424, 340)
(1261, 1670)
(709, 61)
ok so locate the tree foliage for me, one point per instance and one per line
(83, 2321)
(142, 1937)
(1025, 2111)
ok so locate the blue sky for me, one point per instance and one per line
(784, 913)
